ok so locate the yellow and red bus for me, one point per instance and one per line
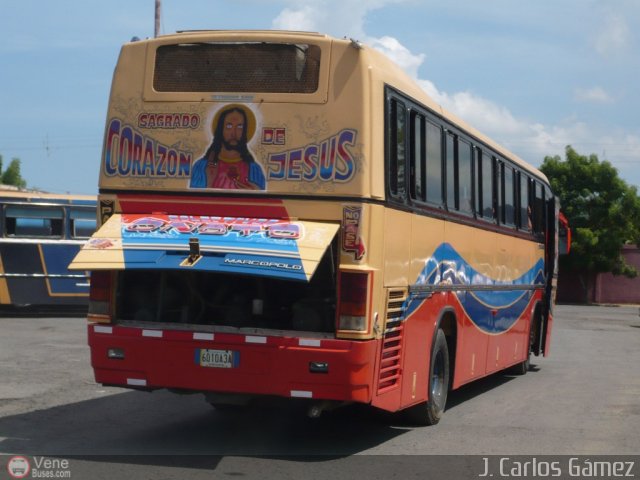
(288, 214)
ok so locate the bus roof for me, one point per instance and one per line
(8, 193)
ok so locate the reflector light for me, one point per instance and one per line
(350, 322)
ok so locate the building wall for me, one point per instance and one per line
(605, 288)
(571, 287)
(620, 289)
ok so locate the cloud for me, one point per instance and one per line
(397, 52)
(487, 116)
(484, 114)
(529, 139)
(341, 18)
(532, 141)
(614, 36)
(593, 95)
(304, 19)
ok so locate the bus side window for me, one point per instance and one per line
(82, 227)
(538, 209)
(487, 179)
(465, 177)
(397, 149)
(434, 164)
(524, 220)
(33, 221)
(508, 213)
(451, 172)
(499, 190)
(56, 227)
(83, 223)
(418, 158)
(477, 165)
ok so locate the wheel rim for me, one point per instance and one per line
(437, 379)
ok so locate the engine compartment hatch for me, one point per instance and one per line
(277, 248)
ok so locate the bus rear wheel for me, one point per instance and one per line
(430, 412)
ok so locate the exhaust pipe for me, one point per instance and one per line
(316, 409)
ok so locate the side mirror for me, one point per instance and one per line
(564, 235)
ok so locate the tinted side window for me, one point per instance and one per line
(538, 208)
(418, 157)
(509, 204)
(451, 172)
(477, 165)
(465, 178)
(434, 164)
(525, 209)
(487, 185)
(33, 221)
(397, 153)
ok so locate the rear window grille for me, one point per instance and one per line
(237, 67)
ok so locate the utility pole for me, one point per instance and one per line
(158, 13)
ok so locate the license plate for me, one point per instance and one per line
(206, 357)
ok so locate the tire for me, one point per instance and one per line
(521, 368)
(430, 412)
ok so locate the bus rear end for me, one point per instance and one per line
(231, 258)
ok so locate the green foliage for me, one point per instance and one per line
(602, 209)
(12, 176)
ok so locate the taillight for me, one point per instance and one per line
(353, 299)
(100, 297)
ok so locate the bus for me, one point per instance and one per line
(41, 233)
(289, 215)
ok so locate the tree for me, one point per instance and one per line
(603, 212)
(12, 176)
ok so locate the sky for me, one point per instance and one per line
(535, 76)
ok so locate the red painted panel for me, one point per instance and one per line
(273, 366)
(191, 205)
(471, 352)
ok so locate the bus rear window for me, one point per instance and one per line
(237, 67)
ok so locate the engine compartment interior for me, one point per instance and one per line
(223, 299)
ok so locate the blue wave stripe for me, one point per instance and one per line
(494, 320)
(493, 312)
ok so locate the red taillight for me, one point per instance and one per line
(353, 299)
(100, 297)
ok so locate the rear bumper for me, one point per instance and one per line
(268, 365)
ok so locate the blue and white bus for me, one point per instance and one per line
(41, 233)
